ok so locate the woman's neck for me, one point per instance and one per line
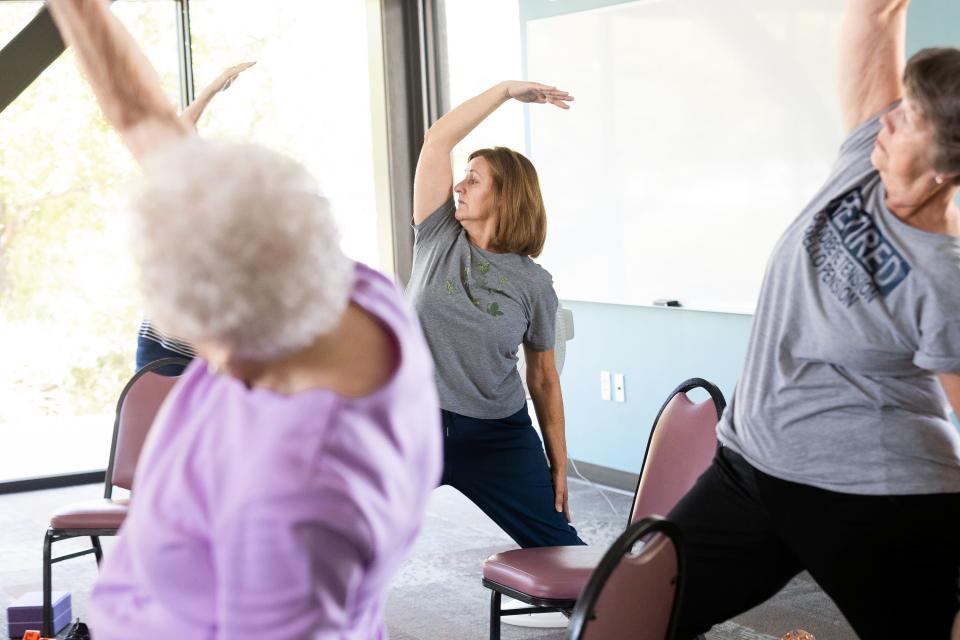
(936, 213)
(354, 359)
(480, 233)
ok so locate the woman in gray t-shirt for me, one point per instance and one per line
(479, 296)
(838, 455)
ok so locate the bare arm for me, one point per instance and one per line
(951, 387)
(125, 84)
(872, 58)
(191, 115)
(433, 182)
(544, 384)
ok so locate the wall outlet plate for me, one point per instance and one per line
(619, 394)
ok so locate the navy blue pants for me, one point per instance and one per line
(501, 467)
(149, 350)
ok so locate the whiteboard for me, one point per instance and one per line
(700, 129)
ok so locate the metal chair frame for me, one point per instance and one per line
(546, 605)
(56, 535)
(583, 612)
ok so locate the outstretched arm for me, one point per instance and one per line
(433, 183)
(191, 115)
(125, 84)
(872, 58)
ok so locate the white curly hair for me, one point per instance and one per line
(237, 249)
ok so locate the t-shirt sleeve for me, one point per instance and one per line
(439, 225)
(541, 330)
(940, 348)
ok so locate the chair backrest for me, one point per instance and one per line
(139, 403)
(681, 445)
(633, 596)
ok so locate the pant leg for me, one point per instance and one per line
(501, 467)
(735, 559)
(890, 563)
(149, 350)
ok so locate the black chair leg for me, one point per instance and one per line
(47, 587)
(97, 550)
(494, 615)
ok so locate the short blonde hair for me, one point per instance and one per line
(521, 216)
(238, 249)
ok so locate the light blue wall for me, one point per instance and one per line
(656, 349)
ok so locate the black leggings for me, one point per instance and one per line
(890, 563)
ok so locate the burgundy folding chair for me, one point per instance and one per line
(609, 607)
(680, 448)
(138, 405)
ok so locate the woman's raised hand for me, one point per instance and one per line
(524, 91)
(226, 78)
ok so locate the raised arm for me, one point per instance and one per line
(191, 115)
(125, 84)
(872, 58)
(433, 183)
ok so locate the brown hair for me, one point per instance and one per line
(521, 217)
(932, 79)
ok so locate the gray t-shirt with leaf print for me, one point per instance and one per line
(857, 313)
(476, 308)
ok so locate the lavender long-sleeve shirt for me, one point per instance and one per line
(258, 515)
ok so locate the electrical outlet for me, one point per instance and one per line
(605, 385)
(619, 395)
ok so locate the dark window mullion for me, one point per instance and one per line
(185, 53)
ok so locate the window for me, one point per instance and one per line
(310, 96)
(69, 307)
(68, 304)
(14, 16)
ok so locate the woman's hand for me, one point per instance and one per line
(191, 115)
(228, 75)
(523, 91)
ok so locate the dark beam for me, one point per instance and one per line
(26, 56)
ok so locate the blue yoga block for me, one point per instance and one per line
(26, 612)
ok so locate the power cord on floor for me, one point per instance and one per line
(594, 485)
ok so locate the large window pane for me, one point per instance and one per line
(14, 16)
(68, 303)
(309, 96)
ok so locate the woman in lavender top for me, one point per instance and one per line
(286, 476)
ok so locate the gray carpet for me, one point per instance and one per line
(437, 594)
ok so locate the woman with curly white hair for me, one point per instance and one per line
(286, 477)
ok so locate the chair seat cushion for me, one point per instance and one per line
(556, 573)
(92, 514)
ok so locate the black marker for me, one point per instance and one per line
(665, 302)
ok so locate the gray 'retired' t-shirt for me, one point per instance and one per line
(476, 307)
(857, 313)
